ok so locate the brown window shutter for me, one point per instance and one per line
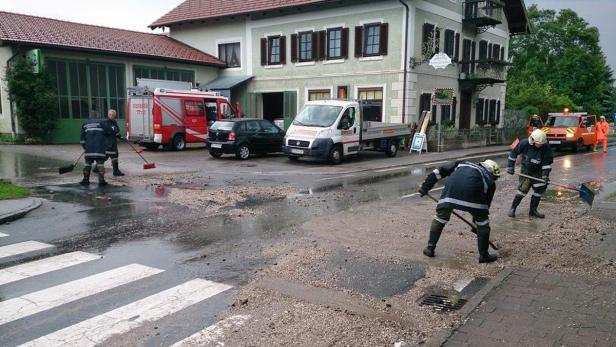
(345, 43)
(283, 50)
(502, 53)
(359, 41)
(384, 38)
(322, 45)
(294, 48)
(263, 52)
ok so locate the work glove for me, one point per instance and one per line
(546, 179)
(422, 192)
(510, 170)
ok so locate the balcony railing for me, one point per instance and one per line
(483, 71)
(482, 13)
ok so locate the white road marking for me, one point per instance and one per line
(42, 266)
(416, 194)
(390, 169)
(436, 162)
(335, 178)
(3, 235)
(46, 299)
(22, 247)
(212, 335)
(96, 330)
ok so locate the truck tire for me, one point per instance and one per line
(335, 155)
(243, 152)
(579, 146)
(392, 148)
(178, 143)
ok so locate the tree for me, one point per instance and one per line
(35, 99)
(562, 61)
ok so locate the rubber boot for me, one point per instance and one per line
(101, 176)
(534, 203)
(435, 233)
(95, 168)
(116, 168)
(514, 205)
(483, 242)
(86, 176)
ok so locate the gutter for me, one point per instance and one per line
(406, 53)
(11, 111)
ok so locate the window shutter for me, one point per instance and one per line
(359, 40)
(473, 55)
(502, 53)
(283, 50)
(294, 48)
(498, 111)
(263, 52)
(453, 109)
(322, 44)
(489, 51)
(384, 38)
(456, 54)
(315, 45)
(345, 43)
(437, 40)
(427, 31)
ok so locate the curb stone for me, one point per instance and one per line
(36, 203)
(441, 337)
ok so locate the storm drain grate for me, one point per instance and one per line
(442, 303)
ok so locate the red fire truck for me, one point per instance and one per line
(173, 118)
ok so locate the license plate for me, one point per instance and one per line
(297, 151)
(555, 142)
(216, 145)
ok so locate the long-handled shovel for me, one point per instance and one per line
(472, 225)
(147, 164)
(586, 194)
(69, 168)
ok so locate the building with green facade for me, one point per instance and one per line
(300, 50)
(92, 66)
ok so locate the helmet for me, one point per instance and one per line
(602, 117)
(537, 136)
(492, 166)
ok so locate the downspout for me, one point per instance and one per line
(406, 53)
(11, 111)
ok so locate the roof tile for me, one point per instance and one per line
(39, 31)
(207, 9)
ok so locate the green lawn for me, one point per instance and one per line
(11, 191)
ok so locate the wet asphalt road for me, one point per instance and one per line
(123, 225)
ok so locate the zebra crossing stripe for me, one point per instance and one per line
(42, 266)
(3, 235)
(96, 330)
(46, 299)
(212, 335)
(22, 248)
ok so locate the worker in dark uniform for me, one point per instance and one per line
(112, 142)
(537, 159)
(470, 188)
(93, 134)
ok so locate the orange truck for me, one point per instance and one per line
(573, 130)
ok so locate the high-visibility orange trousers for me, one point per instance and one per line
(604, 142)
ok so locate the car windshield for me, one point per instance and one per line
(224, 126)
(563, 122)
(318, 116)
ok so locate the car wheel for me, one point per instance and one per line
(335, 155)
(579, 146)
(178, 143)
(293, 158)
(392, 148)
(243, 152)
(151, 146)
(216, 154)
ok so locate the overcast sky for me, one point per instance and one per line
(138, 14)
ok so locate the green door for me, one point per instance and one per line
(289, 108)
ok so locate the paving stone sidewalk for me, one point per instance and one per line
(535, 308)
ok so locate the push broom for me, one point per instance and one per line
(147, 165)
(69, 168)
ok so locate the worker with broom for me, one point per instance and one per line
(93, 140)
(470, 188)
(112, 142)
(537, 159)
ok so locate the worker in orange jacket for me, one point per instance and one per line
(603, 129)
